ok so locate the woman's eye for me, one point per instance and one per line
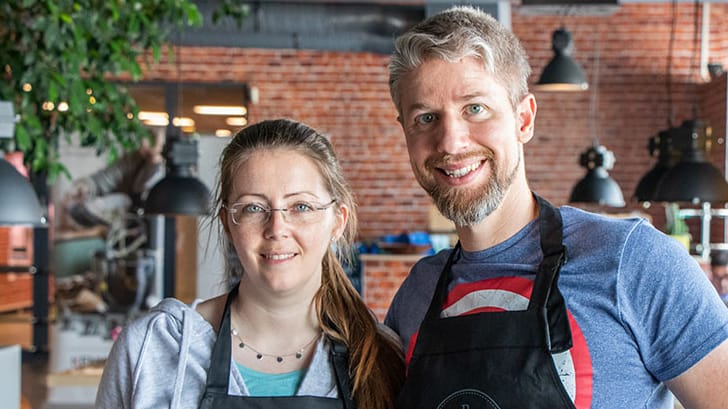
(425, 118)
(253, 208)
(302, 207)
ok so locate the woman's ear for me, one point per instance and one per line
(222, 214)
(342, 216)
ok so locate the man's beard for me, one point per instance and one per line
(467, 207)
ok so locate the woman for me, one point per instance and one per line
(298, 333)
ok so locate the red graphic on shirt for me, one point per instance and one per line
(513, 294)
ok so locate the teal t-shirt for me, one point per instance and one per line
(267, 384)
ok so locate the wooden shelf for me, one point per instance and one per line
(17, 328)
(85, 376)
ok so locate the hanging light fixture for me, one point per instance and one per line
(597, 186)
(18, 201)
(562, 73)
(693, 179)
(667, 157)
(180, 191)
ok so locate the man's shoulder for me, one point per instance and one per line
(572, 215)
(578, 222)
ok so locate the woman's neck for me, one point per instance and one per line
(274, 316)
(273, 337)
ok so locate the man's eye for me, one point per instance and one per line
(301, 207)
(475, 108)
(425, 118)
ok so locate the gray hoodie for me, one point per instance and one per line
(160, 360)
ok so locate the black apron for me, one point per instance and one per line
(216, 396)
(495, 360)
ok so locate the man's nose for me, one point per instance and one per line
(454, 134)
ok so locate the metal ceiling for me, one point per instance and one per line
(320, 25)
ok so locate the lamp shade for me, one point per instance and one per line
(693, 178)
(597, 186)
(562, 73)
(692, 181)
(659, 145)
(176, 194)
(179, 192)
(18, 202)
(647, 186)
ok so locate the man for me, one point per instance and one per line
(110, 193)
(536, 307)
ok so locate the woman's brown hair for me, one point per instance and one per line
(376, 364)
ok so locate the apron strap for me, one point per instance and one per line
(219, 371)
(546, 295)
(438, 298)
(340, 358)
(554, 253)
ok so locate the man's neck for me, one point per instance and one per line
(518, 208)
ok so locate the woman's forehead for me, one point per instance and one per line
(278, 173)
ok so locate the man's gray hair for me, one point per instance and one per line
(461, 32)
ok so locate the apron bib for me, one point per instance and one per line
(495, 360)
(216, 396)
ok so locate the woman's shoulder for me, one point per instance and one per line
(211, 310)
(170, 316)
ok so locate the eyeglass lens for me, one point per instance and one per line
(298, 213)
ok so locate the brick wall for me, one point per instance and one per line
(381, 277)
(346, 96)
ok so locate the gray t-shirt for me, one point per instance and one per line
(641, 309)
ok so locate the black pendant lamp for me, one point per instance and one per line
(693, 178)
(597, 186)
(180, 191)
(667, 157)
(18, 201)
(562, 73)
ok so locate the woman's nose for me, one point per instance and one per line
(277, 223)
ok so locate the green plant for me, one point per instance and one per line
(60, 62)
(674, 224)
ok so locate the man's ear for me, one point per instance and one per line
(526, 117)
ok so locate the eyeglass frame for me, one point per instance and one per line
(269, 211)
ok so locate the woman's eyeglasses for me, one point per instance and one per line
(299, 213)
